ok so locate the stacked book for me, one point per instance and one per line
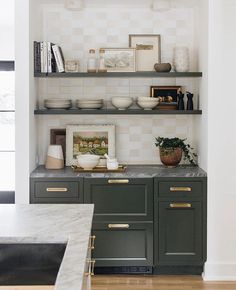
(48, 58)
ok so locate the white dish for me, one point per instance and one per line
(122, 103)
(89, 101)
(148, 105)
(89, 106)
(57, 101)
(57, 106)
(87, 161)
(147, 99)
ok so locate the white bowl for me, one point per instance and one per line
(148, 105)
(88, 162)
(147, 99)
(122, 103)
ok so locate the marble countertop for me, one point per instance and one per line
(70, 224)
(132, 171)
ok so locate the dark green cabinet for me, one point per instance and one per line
(57, 190)
(129, 244)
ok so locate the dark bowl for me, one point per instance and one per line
(162, 67)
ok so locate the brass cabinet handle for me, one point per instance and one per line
(118, 226)
(54, 189)
(177, 189)
(92, 243)
(180, 205)
(118, 181)
(91, 267)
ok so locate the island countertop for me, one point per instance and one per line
(70, 224)
(132, 171)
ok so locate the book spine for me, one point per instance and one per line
(58, 57)
(45, 57)
(49, 57)
(42, 57)
(36, 57)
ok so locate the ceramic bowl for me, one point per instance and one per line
(87, 161)
(149, 104)
(162, 67)
(122, 103)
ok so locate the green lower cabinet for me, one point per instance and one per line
(125, 244)
(179, 233)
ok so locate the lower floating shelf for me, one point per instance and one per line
(115, 112)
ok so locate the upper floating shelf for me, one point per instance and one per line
(151, 74)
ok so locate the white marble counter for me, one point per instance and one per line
(50, 223)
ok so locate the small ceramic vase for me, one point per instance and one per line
(54, 158)
(190, 101)
(180, 101)
(181, 59)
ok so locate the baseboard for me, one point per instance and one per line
(123, 270)
(219, 272)
(178, 270)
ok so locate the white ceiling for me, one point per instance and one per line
(7, 13)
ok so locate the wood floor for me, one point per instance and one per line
(101, 282)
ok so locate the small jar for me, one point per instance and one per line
(101, 65)
(92, 62)
(112, 164)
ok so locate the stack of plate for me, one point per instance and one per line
(89, 104)
(57, 104)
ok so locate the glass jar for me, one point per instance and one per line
(181, 59)
(92, 62)
(101, 65)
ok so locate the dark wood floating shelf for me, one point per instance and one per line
(115, 112)
(151, 74)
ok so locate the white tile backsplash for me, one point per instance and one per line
(78, 31)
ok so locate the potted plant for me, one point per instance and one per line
(172, 149)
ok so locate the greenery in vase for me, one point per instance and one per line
(168, 143)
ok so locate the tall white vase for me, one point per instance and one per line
(181, 59)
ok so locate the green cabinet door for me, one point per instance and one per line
(180, 233)
(120, 199)
(123, 244)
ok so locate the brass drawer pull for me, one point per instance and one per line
(92, 243)
(52, 189)
(180, 205)
(177, 189)
(118, 226)
(118, 181)
(91, 268)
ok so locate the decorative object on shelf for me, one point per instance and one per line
(92, 61)
(161, 5)
(122, 103)
(167, 95)
(162, 67)
(72, 66)
(75, 5)
(89, 139)
(172, 149)
(101, 65)
(58, 137)
(190, 101)
(147, 103)
(120, 169)
(119, 59)
(54, 158)
(112, 163)
(180, 101)
(148, 50)
(89, 104)
(57, 104)
(181, 59)
(88, 161)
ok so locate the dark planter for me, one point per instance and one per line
(171, 157)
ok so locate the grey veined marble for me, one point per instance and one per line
(69, 224)
(135, 171)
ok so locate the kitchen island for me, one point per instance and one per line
(69, 225)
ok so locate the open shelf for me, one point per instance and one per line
(115, 112)
(151, 74)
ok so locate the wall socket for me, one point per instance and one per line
(75, 5)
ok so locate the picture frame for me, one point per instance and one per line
(120, 59)
(148, 50)
(58, 137)
(92, 139)
(165, 92)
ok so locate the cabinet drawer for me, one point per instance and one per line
(56, 191)
(123, 244)
(180, 188)
(120, 199)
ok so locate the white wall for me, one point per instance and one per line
(221, 263)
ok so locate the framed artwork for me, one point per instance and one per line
(120, 59)
(58, 137)
(166, 94)
(148, 50)
(89, 139)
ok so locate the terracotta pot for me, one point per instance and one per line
(171, 157)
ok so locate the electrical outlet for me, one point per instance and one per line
(74, 4)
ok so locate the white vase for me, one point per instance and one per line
(54, 158)
(181, 59)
